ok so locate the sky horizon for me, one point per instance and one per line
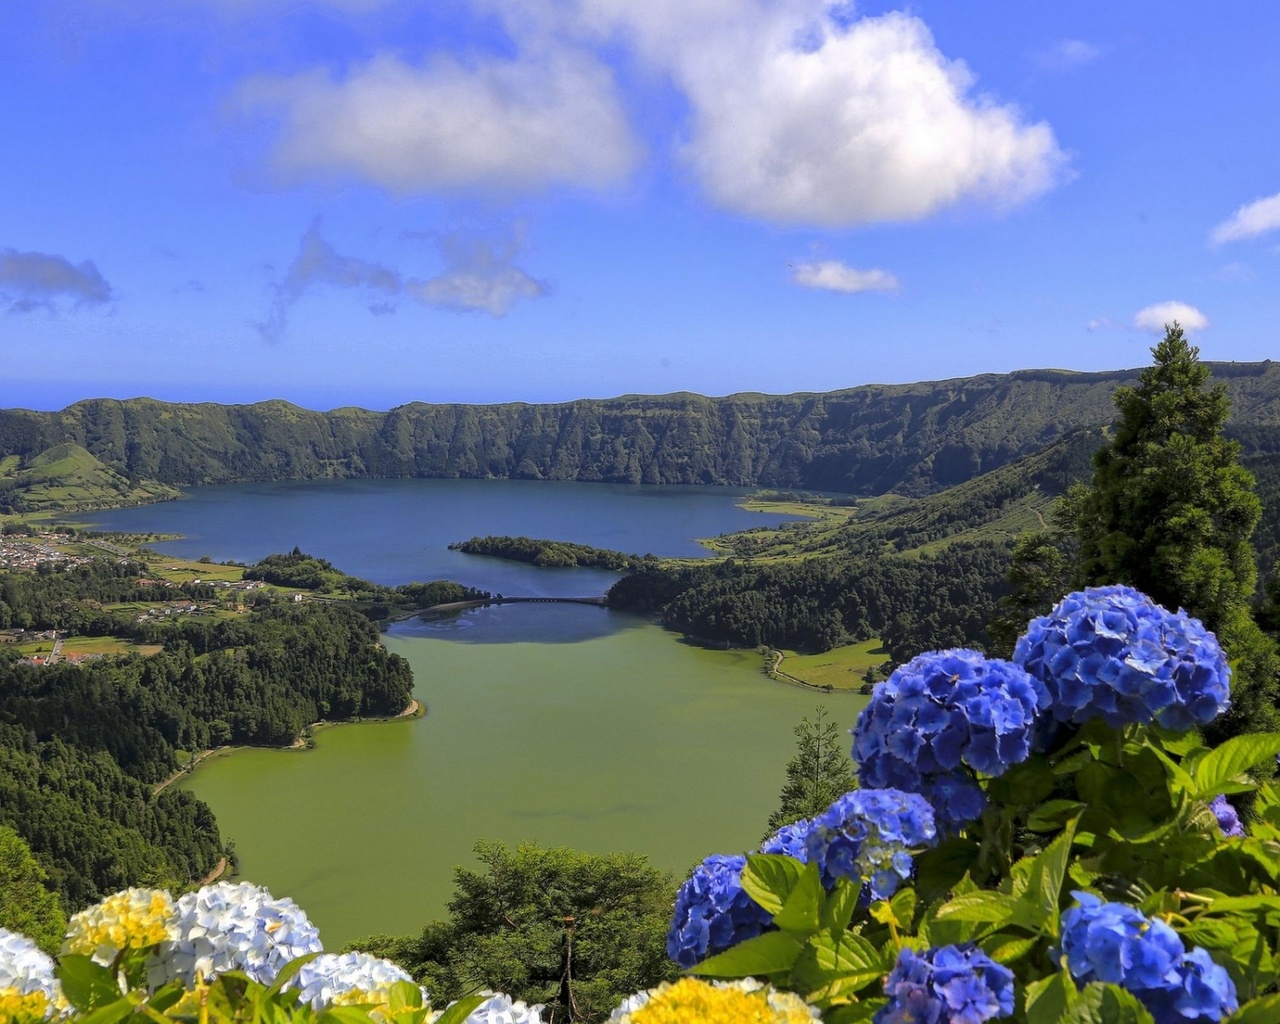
(373, 202)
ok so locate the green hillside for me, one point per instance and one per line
(912, 439)
(67, 476)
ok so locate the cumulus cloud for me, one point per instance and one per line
(1155, 318)
(510, 124)
(1251, 220)
(479, 275)
(834, 276)
(798, 117)
(37, 280)
(798, 111)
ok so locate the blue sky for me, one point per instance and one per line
(371, 202)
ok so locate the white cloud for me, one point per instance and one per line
(1252, 219)
(832, 275)
(798, 112)
(1100, 323)
(509, 124)
(1155, 318)
(803, 121)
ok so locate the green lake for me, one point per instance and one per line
(630, 740)
(556, 723)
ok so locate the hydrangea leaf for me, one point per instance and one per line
(110, 1014)
(1053, 814)
(1047, 875)
(831, 968)
(288, 971)
(1047, 998)
(460, 1011)
(1005, 950)
(984, 906)
(86, 984)
(800, 912)
(838, 908)
(770, 953)
(1099, 1003)
(1234, 757)
(939, 871)
(1265, 1010)
(769, 878)
(854, 1013)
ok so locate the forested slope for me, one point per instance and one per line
(912, 438)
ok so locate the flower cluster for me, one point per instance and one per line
(347, 979)
(1228, 819)
(713, 911)
(735, 1002)
(943, 711)
(225, 927)
(947, 985)
(866, 834)
(501, 1009)
(1116, 943)
(1113, 652)
(131, 919)
(28, 989)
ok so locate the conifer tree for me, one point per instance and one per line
(820, 771)
(1170, 512)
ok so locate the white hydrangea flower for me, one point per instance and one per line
(334, 979)
(26, 976)
(234, 927)
(502, 1009)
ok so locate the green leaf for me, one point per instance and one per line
(1236, 755)
(110, 1014)
(1005, 950)
(770, 953)
(769, 878)
(854, 1013)
(800, 911)
(461, 1010)
(1047, 998)
(288, 971)
(1047, 874)
(839, 906)
(984, 905)
(344, 1015)
(1053, 814)
(1263, 1010)
(904, 907)
(939, 871)
(86, 984)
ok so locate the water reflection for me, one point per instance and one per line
(540, 623)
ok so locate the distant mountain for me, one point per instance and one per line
(912, 439)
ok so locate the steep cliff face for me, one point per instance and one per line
(913, 438)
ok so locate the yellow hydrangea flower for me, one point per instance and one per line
(692, 1001)
(17, 1008)
(131, 919)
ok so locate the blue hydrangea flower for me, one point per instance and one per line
(1116, 943)
(225, 927)
(1113, 653)
(866, 835)
(790, 840)
(1228, 820)
(713, 912)
(947, 985)
(940, 716)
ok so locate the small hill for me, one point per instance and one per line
(67, 476)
